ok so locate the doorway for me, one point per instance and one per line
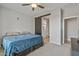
(42, 27)
(45, 29)
(71, 29)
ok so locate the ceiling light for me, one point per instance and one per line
(34, 5)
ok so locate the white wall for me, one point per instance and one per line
(12, 21)
(55, 27)
(70, 11)
(0, 25)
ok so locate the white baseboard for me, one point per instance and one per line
(56, 43)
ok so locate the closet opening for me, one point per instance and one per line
(42, 27)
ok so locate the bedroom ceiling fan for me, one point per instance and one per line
(34, 5)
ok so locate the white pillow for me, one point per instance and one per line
(24, 33)
(12, 33)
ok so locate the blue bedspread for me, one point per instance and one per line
(19, 43)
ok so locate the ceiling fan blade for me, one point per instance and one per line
(40, 6)
(33, 9)
(25, 4)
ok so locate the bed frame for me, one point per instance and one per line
(29, 50)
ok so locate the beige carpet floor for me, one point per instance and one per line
(49, 50)
(1, 52)
(52, 50)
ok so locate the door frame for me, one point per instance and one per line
(63, 41)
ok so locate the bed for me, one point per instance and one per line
(16, 44)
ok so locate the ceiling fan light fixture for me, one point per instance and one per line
(34, 5)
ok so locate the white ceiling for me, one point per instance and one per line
(28, 11)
